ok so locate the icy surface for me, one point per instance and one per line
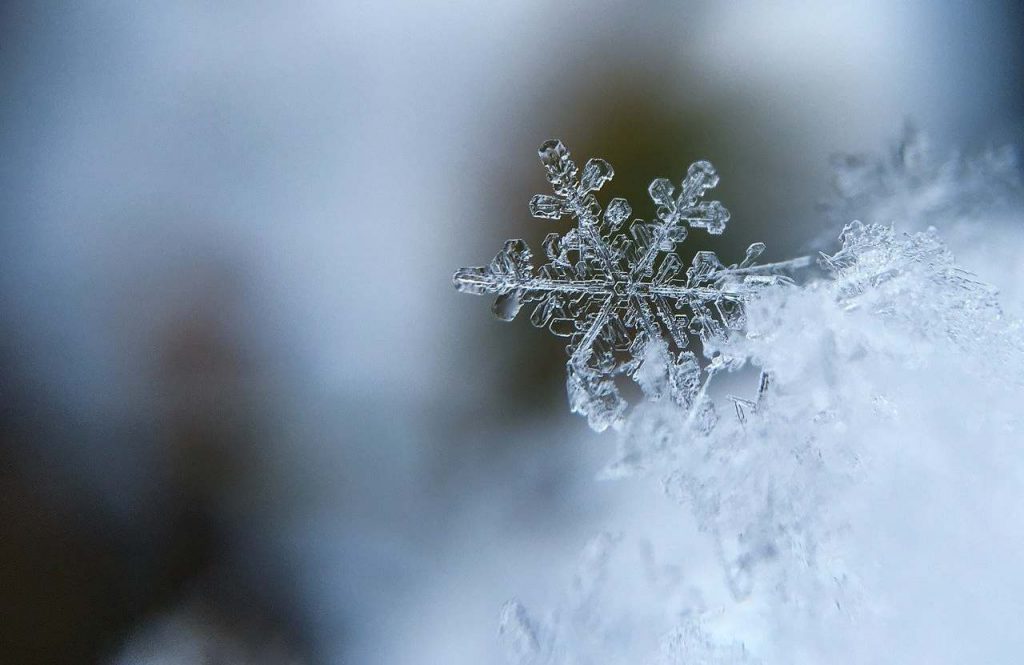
(618, 291)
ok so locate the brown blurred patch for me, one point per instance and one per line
(75, 583)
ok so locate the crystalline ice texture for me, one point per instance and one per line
(613, 288)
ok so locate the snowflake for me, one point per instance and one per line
(618, 291)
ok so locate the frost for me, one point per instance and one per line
(857, 362)
(691, 645)
(975, 199)
(603, 620)
(881, 443)
(914, 279)
(576, 628)
(919, 186)
(618, 291)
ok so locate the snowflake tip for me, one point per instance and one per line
(595, 174)
(561, 169)
(753, 252)
(716, 216)
(700, 177)
(660, 191)
(545, 206)
(472, 280)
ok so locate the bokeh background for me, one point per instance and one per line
(244, 418)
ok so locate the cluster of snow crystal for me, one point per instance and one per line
(892, 301)
(976, 200)
(920, 187)
(606, 616)
(896, 359)
(578, 630)
(617, 290)
(900, 360)
(860, 503)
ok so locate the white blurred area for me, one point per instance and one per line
(297, 182)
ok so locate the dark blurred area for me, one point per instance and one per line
(244, 417)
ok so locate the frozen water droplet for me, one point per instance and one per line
(507, 305)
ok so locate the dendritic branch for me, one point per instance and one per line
(613, 288)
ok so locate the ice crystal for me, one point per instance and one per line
(886, 420)
(617, 290)
(576, 627)
(919, 186)
(875, 264)
(975, 200)
(860, 361)
(605, 617)
(760, 500)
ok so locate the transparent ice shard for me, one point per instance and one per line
(615, 289)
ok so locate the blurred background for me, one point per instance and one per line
(244, 418)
